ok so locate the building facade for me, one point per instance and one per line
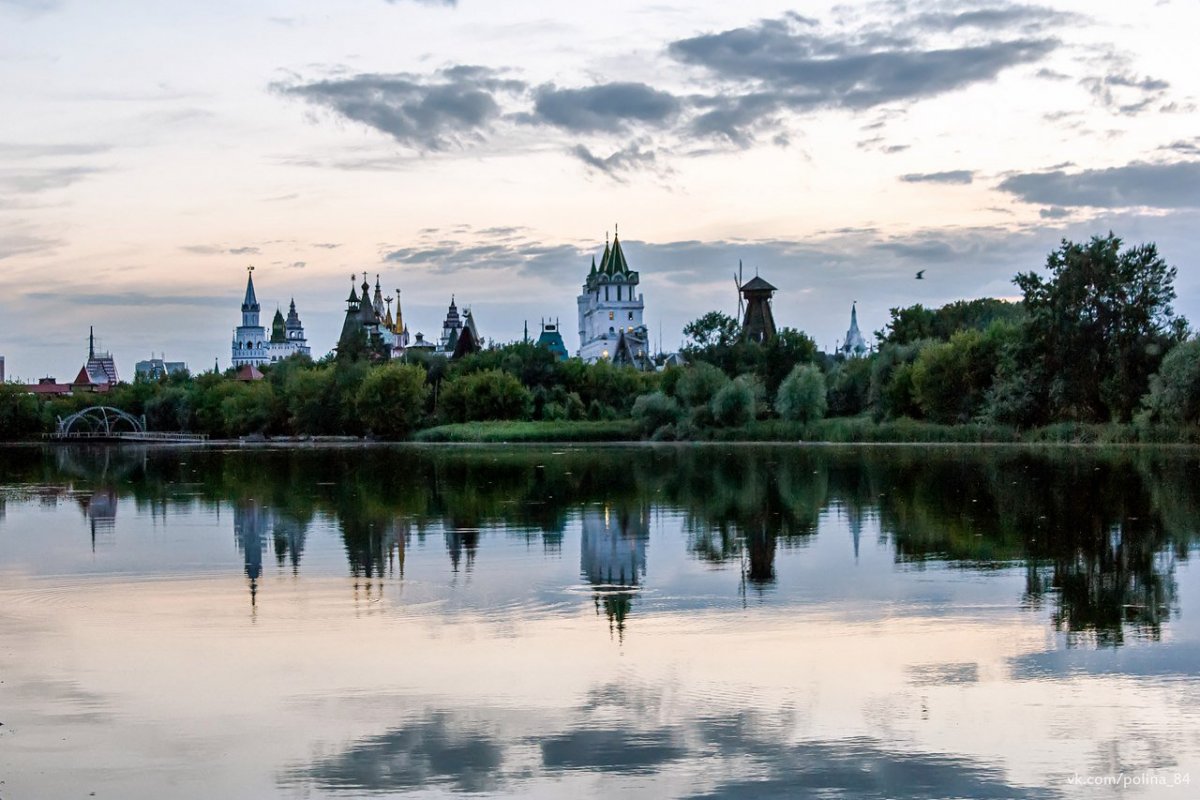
(251, 344)
(611, 327)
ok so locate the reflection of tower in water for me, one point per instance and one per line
(251, 526)
(613, 558)
(101, 511)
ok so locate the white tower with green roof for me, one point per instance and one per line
(610, 311)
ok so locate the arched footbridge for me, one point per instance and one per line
(105, 423)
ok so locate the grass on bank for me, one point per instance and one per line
(836, 430)
(620, 430)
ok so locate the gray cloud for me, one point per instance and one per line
(780, 65)
(450, 108)
(494, 249)
(1174, 185)
(1125, 93)
(1016, 15)
(24, 150)
(626, 159)
(220, 249)
(606, 107)
(132, 299)
(1053, 212)
(1186, 147)
(18, 244)
(32, 181)
(960, 176)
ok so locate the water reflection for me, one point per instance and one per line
(612, 558)
(783, 622)
(1099, 534)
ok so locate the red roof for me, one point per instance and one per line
(248, 372)
(48, 388)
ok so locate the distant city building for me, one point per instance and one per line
(610, 312)
(252, 346)
(100, 367)
(98, 374)
(156, 368)
(1, 369)
(854, 346)
(552, 340)
(758, 325)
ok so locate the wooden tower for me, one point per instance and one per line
(759, 324)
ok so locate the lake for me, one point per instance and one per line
(597, 622)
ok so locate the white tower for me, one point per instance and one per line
(610, 312)
(250, 339)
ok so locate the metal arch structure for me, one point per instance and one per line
(98, 421)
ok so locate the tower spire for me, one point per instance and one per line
(91, 342)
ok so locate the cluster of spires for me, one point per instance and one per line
(376, 310)
(612, 262)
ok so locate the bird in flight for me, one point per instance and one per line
(920, 274)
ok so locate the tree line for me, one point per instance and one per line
(1093, 339)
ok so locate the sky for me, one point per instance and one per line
(151, 151)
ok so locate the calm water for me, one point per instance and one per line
(599, 622)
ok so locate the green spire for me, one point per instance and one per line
(593, 272)
(278, 333)
(604, 258)
(617, 265)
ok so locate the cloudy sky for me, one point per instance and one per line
(150, 151)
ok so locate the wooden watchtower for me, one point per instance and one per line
(759, 324)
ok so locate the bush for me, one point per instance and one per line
(1174, 395)
(391, 400)
(654, 411)
(699, 384)
(801, 396)
(490, 394)
(733, 404)
(20, 413)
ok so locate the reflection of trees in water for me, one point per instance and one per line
(742, 506)
(1099, 531)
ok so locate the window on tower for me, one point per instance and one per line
(631, 315)
(618, 294)
(610, 315)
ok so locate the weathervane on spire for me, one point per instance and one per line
(250, 268)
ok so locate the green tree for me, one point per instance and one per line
(891, 393)
(1174, 394)
(654, 411)
(849, 386)
(1100, 322)
(20, 414)
(917, 323)
(951, 379)
(699, 383)
(488, 395)
(801, 396)
(714, 329)
(391, 399)
(733, 404)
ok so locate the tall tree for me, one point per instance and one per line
(1099, 324)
